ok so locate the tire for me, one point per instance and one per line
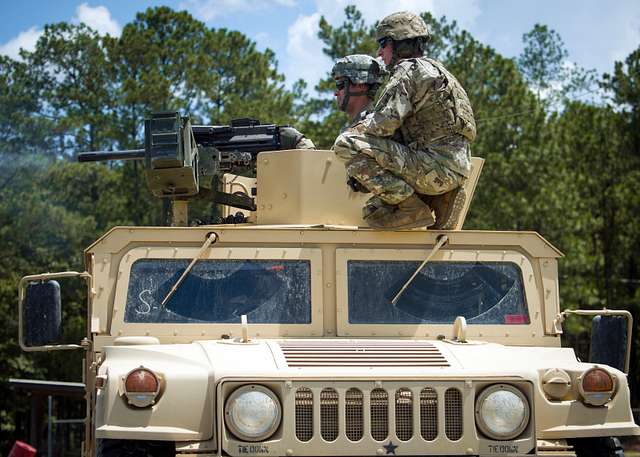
(597, 447)
(135, 448)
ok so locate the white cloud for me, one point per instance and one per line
(305, 58)
(207, 10)
(98, 18)
(25, 40)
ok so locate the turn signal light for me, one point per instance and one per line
(141, 387)
(596, 386)
(141, 380)
(597, 380)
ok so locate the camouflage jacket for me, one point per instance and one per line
(362, 114)
(424, 107)
(358, 118)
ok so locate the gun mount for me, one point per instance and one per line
(184, 161)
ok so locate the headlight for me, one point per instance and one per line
(502, 412)
(252, 413)
(596, 386)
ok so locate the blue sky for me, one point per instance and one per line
(595, 33)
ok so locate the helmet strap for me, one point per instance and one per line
(394, 55)
(348, 93)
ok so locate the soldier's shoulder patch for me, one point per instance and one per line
(429, 67)
(403, 67)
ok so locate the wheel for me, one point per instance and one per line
(597, 447)
(135, 448)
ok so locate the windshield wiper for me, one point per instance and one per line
(211, 238)
(440, 241)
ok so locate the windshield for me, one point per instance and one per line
(220, 291)
(482, 292)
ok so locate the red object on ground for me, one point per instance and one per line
(21, 449)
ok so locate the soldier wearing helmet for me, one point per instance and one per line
(412, 152)
(357, 78)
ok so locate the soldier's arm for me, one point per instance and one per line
(395, 103)
(290, 138)
(409, 87)
(305, 143)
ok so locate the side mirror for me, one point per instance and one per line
(609, 340)
(40, 311)
(42, 314)
(611, 331)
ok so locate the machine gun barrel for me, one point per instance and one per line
(100, 156)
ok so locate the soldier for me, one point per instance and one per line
(413, 150)
(358, 78)
(290, 138)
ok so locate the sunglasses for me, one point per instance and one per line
(382, 42)
(340, 84)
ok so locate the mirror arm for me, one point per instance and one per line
(21, 295)
(600, 312)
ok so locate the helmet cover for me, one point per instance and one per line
(359, 69)
(403, 25)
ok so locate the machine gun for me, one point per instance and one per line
(184, 161)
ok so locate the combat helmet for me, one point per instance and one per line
(403, 25)
(359, 69)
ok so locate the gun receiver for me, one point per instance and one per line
(184, 161)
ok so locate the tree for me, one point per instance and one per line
(23, 129)
(70, 66)
(545, 66)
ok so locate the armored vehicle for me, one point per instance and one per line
(301, 332)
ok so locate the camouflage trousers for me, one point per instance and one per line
(391, 170)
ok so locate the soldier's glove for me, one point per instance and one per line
(356, 186)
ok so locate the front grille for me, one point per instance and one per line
(329, 414)
(453, 415)
(415, 411)
(379, 414)
(428, 413)
(304, 414)
(404, 414)
(354, 417)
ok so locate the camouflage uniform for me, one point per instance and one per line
(290, 138)
(417, 138)
(359, 117)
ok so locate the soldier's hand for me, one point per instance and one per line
(355, 185)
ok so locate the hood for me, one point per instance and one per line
(393, 358)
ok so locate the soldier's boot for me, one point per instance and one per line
(448, 208)
(374, 204)
(409, 213)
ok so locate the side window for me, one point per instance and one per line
(482, 292)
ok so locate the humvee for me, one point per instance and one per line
(304, 333)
